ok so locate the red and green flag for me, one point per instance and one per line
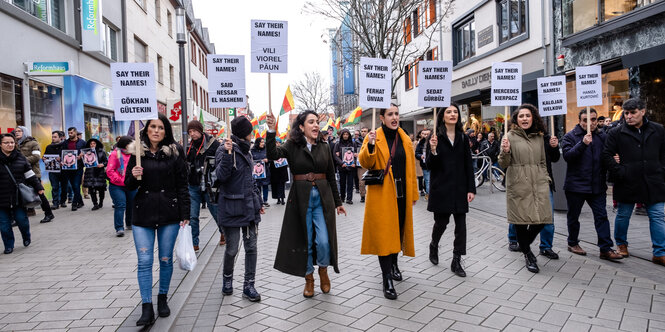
(354, 117)
(287, 104)
(255, 123)
(337, 122)
(262, 118)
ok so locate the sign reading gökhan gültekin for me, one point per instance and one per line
(134, 92)
(226, 80)
(269, 46)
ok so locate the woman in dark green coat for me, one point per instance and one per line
(309, 226)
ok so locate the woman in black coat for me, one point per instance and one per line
(453, 186)
(95, 178)
(161, 206)
(259, 154)
(14, 169)
(278, 178)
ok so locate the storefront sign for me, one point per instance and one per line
(552, 95)
(589, 86)
(134, 92)
(269, 46)
(91, 26)
(435, 79)
(226, 80)
(477, 81)
(485, 36)
(49, 68)
(506, 84)
(375, 83)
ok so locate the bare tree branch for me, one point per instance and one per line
(311, 93)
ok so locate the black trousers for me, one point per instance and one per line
(387, 261)
(526, 234)
(278, 188)
(46, 206)
(346, 183)
(597, 205)
(93, 195)
(441, 221)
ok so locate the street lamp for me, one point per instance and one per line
(181, 39)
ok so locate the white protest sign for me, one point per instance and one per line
(226, 80)
(375, 83)
(506, 84)
(134, 92)
(269, 46)
(552, 95)
(434, 83)
(589, 86)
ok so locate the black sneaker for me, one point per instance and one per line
(362, 199)
(350, 202)
(514, 246)
(227, 286)
(549, 253)
(250, 293)
(47, 219)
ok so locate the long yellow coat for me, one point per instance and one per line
(381, 225)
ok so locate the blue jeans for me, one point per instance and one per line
(265, 188)
(54, 178)
(426, 173)
(656, 225)
(144, 241)
(232, 243)
(316, 225)
(546, 234)
(196, 196)
(74, 179)
(123, 200)
(21, 216)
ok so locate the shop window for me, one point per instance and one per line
(579, 15)
(11, 104)
(50, 12)
(511, 19)
(140, 51)
(158, 11)
(464, 40)
(169, 22)
(160, 69)
(45, 109)
(110, 41)
(98, 124)
(171, 77)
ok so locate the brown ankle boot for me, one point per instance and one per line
(309, 286)
(325, 281)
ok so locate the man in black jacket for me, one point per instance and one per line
(344, 154)
(56, 179)
(201, 150)
(635, 156)
(585, 182)
(421, 153)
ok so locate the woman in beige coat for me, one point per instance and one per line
(527, 180)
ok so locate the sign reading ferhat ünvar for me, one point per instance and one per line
(91, 26)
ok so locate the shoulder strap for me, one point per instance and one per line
(11, 175)
(392, 152)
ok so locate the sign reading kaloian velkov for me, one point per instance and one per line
(226, 80)
(506, 84)
(375, 83)
(134, 93)
(434, 83)
(552, 95)
(269, 46)
(589, 86)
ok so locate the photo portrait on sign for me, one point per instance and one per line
(259, 170)
(52, 163)
(348, 157)
(281, 162)
(68, 160)
(89, 158)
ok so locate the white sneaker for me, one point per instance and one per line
(120, 233)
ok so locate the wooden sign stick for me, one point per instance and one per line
(434, 130)
(228, 124)
(505, 120)
(552, 126)
(269, 95)
(138, 145)
(588, 120)
(373, 119)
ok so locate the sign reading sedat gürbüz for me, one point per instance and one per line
(134, 92)
(226, 80)
(375, 83)
(269, 46)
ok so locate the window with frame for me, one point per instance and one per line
(417, 27)
(464, 40)
(160, 69)
(407, 30)
(578, 15)
(158, 11)
(195, 91)
(172, 77)
(416, 66)
(512, 19)
(408, 77)
(193, 54)
(432, 12)
(110, 41)
(50, 12)
(140, 51)
(169, 22)
(433, 54)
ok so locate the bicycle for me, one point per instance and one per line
(493, 173)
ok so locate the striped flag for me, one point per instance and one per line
(262, 118)
(287, 104)
(354, 117)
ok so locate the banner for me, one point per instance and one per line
(269, 46)
(91, 26)
(226, 81)
(506, 84)
(589, 86)
(375, 83)
(552, 95)
(434, 83)
(134, 92)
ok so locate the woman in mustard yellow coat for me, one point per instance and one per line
(388, 224)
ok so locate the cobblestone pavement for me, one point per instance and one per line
(78, 275)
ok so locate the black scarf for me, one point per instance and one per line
(242, 144)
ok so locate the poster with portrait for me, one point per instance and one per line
(68, 160)
(281, 162)
(259, 170)
(348, 157)
(89, 157)
(52, 163)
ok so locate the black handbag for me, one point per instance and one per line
(26, 194)
(375, 176)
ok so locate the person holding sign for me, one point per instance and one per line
(345, 159)
(309, 219)
(453, 185)
(527, 181)
(388, 222)
(95, 178)
(160, 207)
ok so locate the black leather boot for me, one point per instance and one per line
(388, 288)
(394, 270)
(434, 253)
(456, 266)
(531, 263)
(147, 315)
(162, 306)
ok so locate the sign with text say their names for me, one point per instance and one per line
(589, 86)
(134, 92)
(375, 83)
(506, 84)
(269, 46)
(552, 95)
(434, 83)
(226, 80)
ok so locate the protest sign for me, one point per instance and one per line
(506, 84)
(52, 163)
(226, 80)
(69, 159)
(589, 86)
(434, 83)
(375, 84)
(552, 95)
(269, 46)
(134, 92)
(89, 157)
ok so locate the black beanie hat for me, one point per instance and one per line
(195, 125)
(241, 127)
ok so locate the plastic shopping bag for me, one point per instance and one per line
(184, 250)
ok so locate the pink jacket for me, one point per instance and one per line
(113, 170)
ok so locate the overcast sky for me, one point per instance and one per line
(228, 24)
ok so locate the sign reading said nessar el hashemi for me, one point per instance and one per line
(269, 46)
(226, 80)
(375, 83)
(134, 92)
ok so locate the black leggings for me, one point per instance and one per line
(441, 221)
(93, 195)
(526, 234)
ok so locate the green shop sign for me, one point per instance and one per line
(49, 68)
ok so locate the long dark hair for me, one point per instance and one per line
(441, 124)
(297, 135)
(168, 131)
(537, 124)
(257, 144)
